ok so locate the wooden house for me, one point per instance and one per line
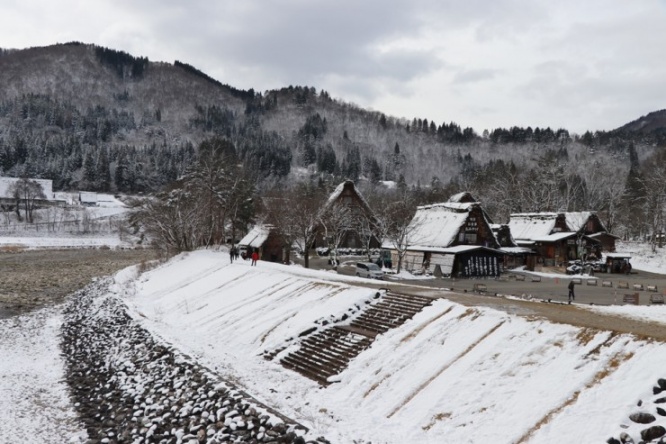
(347, 195)
(267, 241)
(451, 239)
(552, 239)
(588, 223)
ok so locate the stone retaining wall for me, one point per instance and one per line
(130, 387)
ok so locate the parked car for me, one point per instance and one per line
(369, 270)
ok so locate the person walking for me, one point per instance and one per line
(232, 254)
(571, 291)
(255, 257)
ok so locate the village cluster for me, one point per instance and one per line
(457, 238)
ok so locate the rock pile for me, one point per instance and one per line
(129, 387)
(653, 430)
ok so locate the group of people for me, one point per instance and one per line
(234, 254)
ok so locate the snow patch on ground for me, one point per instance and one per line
(34, 402)
(643, 258)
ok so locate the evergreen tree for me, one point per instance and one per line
(103, 172)
(89, 172)
(122, 173)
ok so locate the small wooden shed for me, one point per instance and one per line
(267, 241)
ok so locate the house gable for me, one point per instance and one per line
(584, 222)
(448, 224)
(347, 195)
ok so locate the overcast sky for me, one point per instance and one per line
(593, 64)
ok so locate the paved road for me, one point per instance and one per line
(538, 307)
(553, 288)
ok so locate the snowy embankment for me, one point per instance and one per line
(451, 373)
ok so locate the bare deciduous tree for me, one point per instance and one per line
(26, 192)
(395, 222)
(336, 222)
(294, 212)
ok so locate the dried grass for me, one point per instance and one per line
(435, 419)
(12, 248)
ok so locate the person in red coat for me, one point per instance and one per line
(255, 257)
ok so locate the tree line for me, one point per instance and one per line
(299, 132)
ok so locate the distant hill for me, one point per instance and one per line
(650, 123)
(100, 119)
(88, 76)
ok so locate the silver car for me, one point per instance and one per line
(369, 270)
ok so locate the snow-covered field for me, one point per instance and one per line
(60, 232)
(451, 374)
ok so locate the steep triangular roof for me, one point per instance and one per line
(502, 231)
(465, 197)
(437, 225)
(348, 186)
(577, 220)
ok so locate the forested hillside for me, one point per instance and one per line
(103, 120)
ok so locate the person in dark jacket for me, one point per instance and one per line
(571, 291)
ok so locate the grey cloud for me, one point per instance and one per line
(296, 41)
(474, 76)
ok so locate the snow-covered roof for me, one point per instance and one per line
(555, 237)
(529, 226)
(577, 220)
(257, 236)
(457, 205)
(604, 233)
(451, 250)
(338, 191)
(437, 225)
(460, 197)
(516, 250)
(619, 255)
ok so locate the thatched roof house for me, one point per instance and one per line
(451, 238)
